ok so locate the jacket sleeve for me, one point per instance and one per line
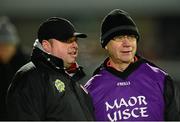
(24, 99)
(172, 99)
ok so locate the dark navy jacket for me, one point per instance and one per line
(41, 90)
(142, 92)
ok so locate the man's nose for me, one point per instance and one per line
(126, 41)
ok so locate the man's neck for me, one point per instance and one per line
(119, 66)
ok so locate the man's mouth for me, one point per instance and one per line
(126, 51)
(73, 53)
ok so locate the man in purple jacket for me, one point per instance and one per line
(127, 86)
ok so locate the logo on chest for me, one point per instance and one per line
(59, 85)
(124, 83)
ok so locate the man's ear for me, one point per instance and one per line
(46, 46)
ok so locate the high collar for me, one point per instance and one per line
(132, 67)
(40, 56)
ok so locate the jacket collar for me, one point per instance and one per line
(132, 67)
(40, 56)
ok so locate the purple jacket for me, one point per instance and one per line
(138, 93)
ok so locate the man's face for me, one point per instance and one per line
(122, 49)
(67, 51)
(7, 51)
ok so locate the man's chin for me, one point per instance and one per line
(72, 62)
(127, 61)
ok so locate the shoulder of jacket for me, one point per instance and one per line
(26, 75)
(27, 69)
(154, 68)
(93, 80)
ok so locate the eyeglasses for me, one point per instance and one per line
(120, 37)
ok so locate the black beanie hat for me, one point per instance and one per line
(58, 28)
(117, 22)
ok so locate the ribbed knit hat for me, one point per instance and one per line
(8, 32)
(117, 22)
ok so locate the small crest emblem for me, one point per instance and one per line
(59, 85)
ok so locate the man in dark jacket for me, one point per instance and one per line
(126, 86)
(46, 88)
(12, 58)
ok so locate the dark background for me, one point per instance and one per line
(158, 22)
